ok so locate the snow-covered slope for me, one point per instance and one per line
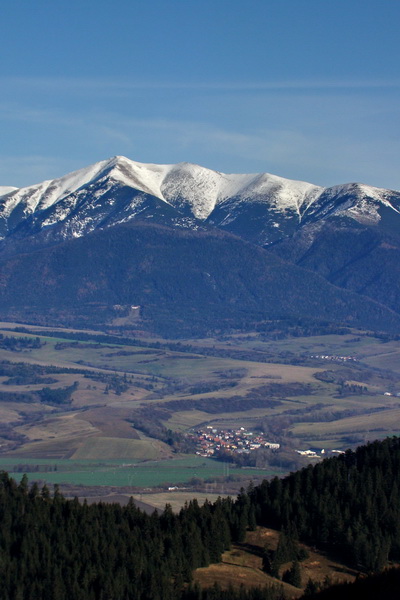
(181, 185)
(6, 189)
(260, 207)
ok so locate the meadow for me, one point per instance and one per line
(118, 473)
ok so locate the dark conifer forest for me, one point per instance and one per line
(382, 586)
(349, 504)
(57, 549)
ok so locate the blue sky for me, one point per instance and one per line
(305, 89)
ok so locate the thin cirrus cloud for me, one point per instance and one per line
(324, 131)
(109, 85)
(268, 149)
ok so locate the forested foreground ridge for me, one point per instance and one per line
(382, 586)
(53, 548)
(348, 503)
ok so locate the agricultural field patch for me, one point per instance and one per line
(386, 422)
(175, 499)
(98, 448)
(147, 474)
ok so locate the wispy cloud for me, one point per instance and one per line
(287, 153)
(295, 132)
(89, 85)
(25, 113)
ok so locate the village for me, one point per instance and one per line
(211, 441)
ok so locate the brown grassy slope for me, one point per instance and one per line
(242, 565)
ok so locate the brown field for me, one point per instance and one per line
(385, 421)
(175, 499)
(118, 448)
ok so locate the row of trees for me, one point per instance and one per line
(18, 344)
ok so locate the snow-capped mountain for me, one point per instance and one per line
(262, 208)
(125, 233)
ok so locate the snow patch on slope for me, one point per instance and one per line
(191, 186)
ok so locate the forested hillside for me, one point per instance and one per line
(55, 549)
(58, 549)
(348, 503)
(185, 283)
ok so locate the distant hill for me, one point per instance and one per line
(182, 281)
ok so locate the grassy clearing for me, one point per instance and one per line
(175, 499)
(227, 574)
(242, 565)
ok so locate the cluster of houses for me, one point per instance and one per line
(211, 441)
(334, 357)
(318, 453)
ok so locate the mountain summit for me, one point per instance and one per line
(122, 233)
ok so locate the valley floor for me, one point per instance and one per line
(99, 409)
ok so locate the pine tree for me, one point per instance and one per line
(293, 575)
(267, 559)
(312, 587)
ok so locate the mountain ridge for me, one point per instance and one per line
(198, 196)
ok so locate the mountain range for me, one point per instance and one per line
(198, 250)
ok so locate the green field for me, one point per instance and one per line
(121, 474)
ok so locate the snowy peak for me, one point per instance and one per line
(260, 207)
(358, 201)
(146, 178)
